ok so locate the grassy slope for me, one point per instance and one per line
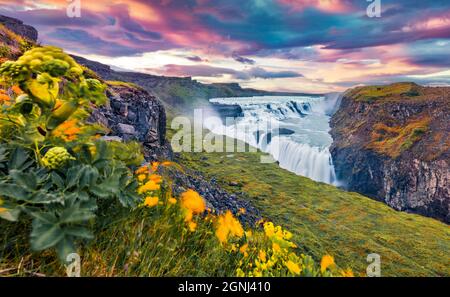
(325, 219)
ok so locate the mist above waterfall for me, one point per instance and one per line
(301, 141)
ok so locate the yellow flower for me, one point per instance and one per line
(166, 163)
(142, 177)
(243, 250)
(172, 200)
(248, 233)
(242, 210)
(347, 273)
(155, 166)
(148, 186)
(151, 201)
(287, 235)
(269, 229)
(262, 256)
(188, 215)
(228, 225)
(193, 201)
(192, 226)
(326, 262)
(222, 233)
(276, 247)
(293, 267)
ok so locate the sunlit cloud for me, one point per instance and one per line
(294, 45)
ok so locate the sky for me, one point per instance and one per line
(313, 46)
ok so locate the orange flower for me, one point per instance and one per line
(191, 200)
(142, 170)
(17, 90)
(172, 200)
(155, 166)
(68, 130)
(326, 262)
(151, 201)
(228, 225)
(4, 99)
(192, 226)
(156, 178)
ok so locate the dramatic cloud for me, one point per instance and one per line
(331, 42)
(209, 71)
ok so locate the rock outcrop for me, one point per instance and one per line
(19, 28)
(133, 114)
(392, 144)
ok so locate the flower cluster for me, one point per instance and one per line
(266, 251)
(56, 157)
(228, 226)
(67, 131)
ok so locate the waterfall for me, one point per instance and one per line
(301, 141)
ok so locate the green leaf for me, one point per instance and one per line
(13, 191)
(57, 180)
(27, 180)
(73, 176)
(44, 217)
(100, 192)
(19, 160)
(64, 248)
(78, 231)
(45, 236)
(88, 176)
(75, 215)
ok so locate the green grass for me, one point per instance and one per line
(325, 219)
(114, 83)
(127, 243)
(376, 93)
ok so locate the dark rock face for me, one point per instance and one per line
(414, 177)
(133, 114)
(19, 28)
(227, 110)
(216, 198)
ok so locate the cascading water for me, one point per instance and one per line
(301, 143)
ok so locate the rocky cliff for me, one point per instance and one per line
(133, 114)
(392, 143)
(18, 27)
(178, 94)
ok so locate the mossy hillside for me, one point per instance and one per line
(12, 45)
(387, 92)
(325, 219)
(392, 141)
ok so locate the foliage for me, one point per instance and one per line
(53, 167)
(243, 248)
(56, 172)
(327, 220)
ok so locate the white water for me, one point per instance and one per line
(305, 150)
